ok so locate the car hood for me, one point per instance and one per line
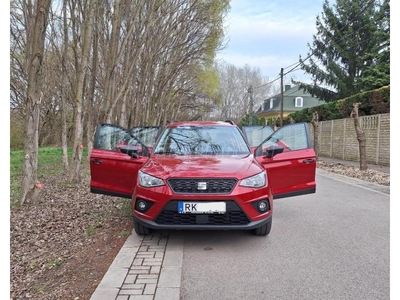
(168, 166)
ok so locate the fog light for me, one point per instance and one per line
(141, 205)
(262, 206)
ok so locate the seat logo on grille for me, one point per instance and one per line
(201, 186)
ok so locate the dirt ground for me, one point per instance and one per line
(61, 247)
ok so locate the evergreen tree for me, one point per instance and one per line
(351, 50)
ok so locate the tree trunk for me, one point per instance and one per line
(91, 97)
(315, 125)
(74, 172)
(360, 137)
(35, 47)
(64, 139)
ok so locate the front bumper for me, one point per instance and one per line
(241, 212)
(250, 225)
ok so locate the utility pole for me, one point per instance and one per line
(251, 104)
(281, 118)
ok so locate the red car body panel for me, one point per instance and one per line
(241, 195)
(113, 172)
(291, 172)
(167, 166)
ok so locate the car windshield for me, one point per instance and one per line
(197, 140)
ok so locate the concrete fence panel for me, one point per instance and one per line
(338, 139)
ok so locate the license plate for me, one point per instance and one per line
(201, 207)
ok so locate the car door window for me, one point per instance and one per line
(146, 134)
(256, 134)
(290, 138)
(111, 137)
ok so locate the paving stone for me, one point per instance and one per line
(170, 277)
(143, 248)
(147, 280)
(153, 259)
(134, 286)
(140, 268)
(142, 297)
(152, 263)
(156, 248)
(155, 270)
(137, 261)
(167, 293)
(173, 259)
(152, 276)
(150, 289)
(131, 292)
(145, 254)
(139, 271)
(130, 278)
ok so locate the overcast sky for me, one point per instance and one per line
(270, 34)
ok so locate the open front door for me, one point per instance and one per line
(255, 134)
(115, 160)
(290, 161)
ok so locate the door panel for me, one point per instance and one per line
(113, 172)
(291, 172)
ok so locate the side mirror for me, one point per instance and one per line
(130, 150)
(272, 150)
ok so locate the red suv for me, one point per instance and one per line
(203, 175)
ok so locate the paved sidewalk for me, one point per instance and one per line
(146, 268)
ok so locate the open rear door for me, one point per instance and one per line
(290, 161)
(115, 160)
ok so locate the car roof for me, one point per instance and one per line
(201, 123)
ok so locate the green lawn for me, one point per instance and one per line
(50, 163)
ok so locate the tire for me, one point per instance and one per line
(141, 230)
(263, 230)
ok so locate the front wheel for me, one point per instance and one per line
(263, 230)
(141, 230)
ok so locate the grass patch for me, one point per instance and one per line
(124, 233)
(54, 263)
(49, 163)
(125, 207)
(91, 230)
(33, 265)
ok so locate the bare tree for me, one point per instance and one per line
(77, 147)
(234, 83)
(360, 137)
(315, 125)
(64, 138)
(36, 24)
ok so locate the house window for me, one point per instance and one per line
(271, 103)
(298, 102)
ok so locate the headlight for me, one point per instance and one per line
(147, 180)
(255, 181)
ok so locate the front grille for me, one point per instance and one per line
(191, 185)
(233, 216)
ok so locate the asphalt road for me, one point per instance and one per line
(334, 244)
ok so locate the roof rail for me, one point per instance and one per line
(230, 122)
